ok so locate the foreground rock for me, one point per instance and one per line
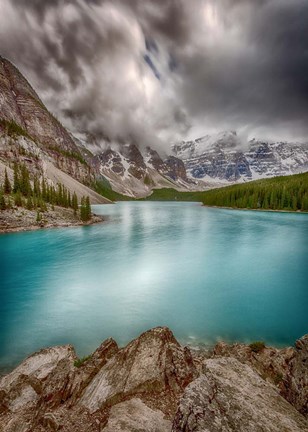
(230, 396)
(286, 368)
(152, 385)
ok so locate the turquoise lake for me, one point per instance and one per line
(208, 274)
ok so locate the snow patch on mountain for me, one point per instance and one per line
(135, 173)
(224, 157)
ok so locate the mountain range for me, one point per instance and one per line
(224, 158)
(30, 133)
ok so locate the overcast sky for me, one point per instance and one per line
(157, 71)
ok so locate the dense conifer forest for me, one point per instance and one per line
(277, 193)
(36, 193)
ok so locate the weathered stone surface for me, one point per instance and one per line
(142, 386)
(86, 372)
(40, 379)
(230, 396)
(134, 416)
(271, 363)
(286, 368)
(296, 389)
(151, 364)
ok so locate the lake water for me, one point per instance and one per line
(208, 274)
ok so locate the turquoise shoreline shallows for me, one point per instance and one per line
(206, 273)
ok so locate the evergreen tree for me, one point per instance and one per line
(36, 187)
(16, 186)
(75, 203)
(29, 203)
(7, 188)
(24, 181)
(2, 202)
(85, 209)
(278, 193)
(88, 208)
(18, 199)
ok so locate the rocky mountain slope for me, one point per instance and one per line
(156, 385)
(28, 131)
(30, 134)
(133, 172)
(224, 158)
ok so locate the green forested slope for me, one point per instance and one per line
(277, 193)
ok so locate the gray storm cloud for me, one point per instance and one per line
(156, 71)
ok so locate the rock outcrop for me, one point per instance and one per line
(156, 385)
(286, 368)
(230, 396)
(152, 365)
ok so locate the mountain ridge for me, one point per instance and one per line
(224, 157)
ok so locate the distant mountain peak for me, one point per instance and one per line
(224, 157)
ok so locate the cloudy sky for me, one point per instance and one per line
(157, 71)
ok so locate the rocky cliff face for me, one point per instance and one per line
(224, 158)
(156, 385)
(19, 102)
(29, 133)
(135, 173)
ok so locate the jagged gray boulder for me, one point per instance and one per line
(152, 364)
(296, 391)
(230, 396)
(286, 368)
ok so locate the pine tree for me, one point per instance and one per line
(75, 203)
(16, 186)
(88, 208)
(2, 202)
(85, 209)
(25, 185)
(18, 199)
(7, 188)
(83, 216)
(29, 203)
(36, 187)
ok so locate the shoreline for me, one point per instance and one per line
(197, 349)
(258, 210)
(96, 219)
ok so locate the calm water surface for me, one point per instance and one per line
(208, 274)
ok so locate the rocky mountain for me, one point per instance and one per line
(156, 385)
(30, 134)
(134, 172)
(224, 158)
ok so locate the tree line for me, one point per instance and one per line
(278, 193)
(36, 193)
